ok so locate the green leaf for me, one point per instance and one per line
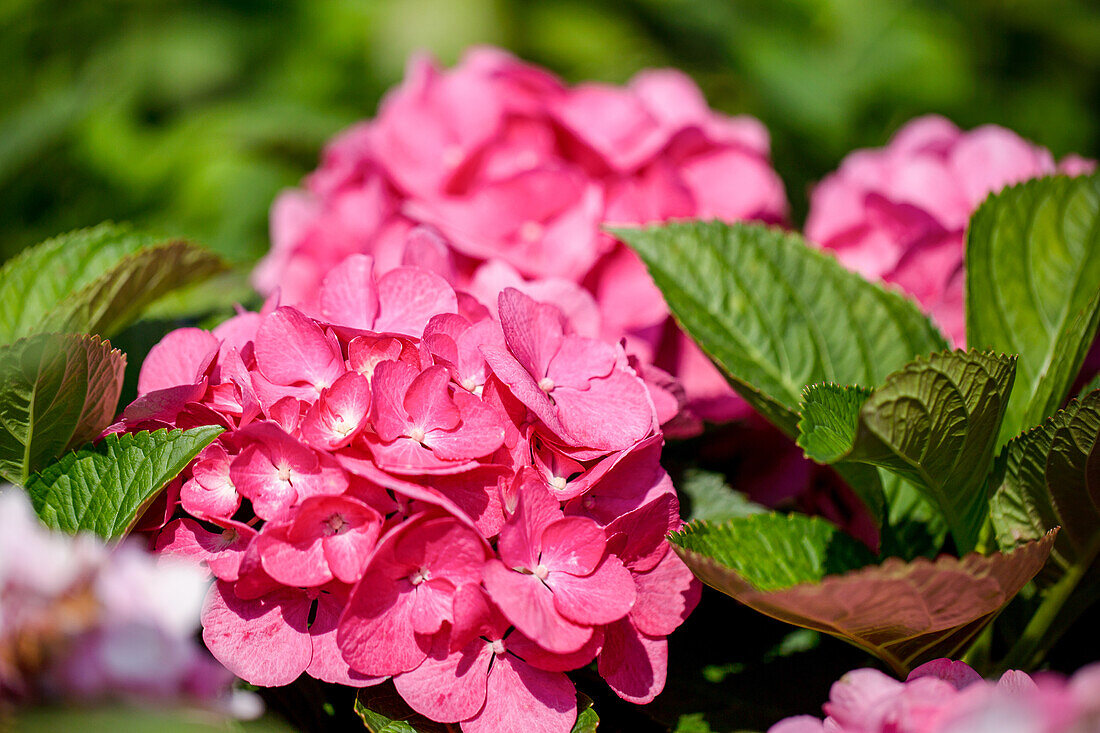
(56, 391)
(1033, 287)
(771, 551)
(934, 423)
(94, 280)
(103, 488)
(1052, 478)
(587, 720)
(796, 570)
(711, 498)
(776, 314)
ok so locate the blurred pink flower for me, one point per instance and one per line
(898, 213)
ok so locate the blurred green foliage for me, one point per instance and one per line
(189, 115)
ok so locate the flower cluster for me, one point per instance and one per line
(898, 214)
(80, 622)
(518, 173)
(949, 697)
(415, 485)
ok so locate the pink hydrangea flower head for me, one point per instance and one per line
(898, 213)
(497, 163)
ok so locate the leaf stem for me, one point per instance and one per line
(1036, 638)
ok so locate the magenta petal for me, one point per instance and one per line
(480, 433)
(522, 699)
(533, 331)
(529, 604)
(376, 632)
(299, 563)
(327, 663)
(256, 477)
(182, 357)
(579, 360)
(349, 295)
(959, 674)
(262, 641)
(535, 510)
(613, 413)
(444, 546)
(799, 724)
(572, 545)
(428, 401)
(600, 598)
(432, 605)
(292, 348)
(349, 552)
(530, 652)
(633, 664)
(521, 384)
(448, 687)
(409, 297)
(667, 594)
(390, 384)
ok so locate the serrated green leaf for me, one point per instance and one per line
(903, 612)
(772, 551)
(56, 391)
(710, 498)
(777, 314)
(1033, 287)
(1052, 478)
(934, 423)
(94, 280)
(830, 420)
(103, 488)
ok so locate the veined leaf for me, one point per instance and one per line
(103, 488)
(934, 423)
(56, 391)
(94, 280)
(903, 612)
(772, 551)
(1033, 287)
(776, 314)
(1052, 479)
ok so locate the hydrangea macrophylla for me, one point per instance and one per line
(514, 173)
(83, 623)
(408, 488)
(898, 213)
(949, 697)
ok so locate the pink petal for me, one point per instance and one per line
(349, 296)
(535, 510)
(600, 598)
(666, 596)
(409, 297)
(579, 360)
(339, 414)
(572, 545)
(613, 413)
(448, 687)
(445, 546)
(959, 674)
(428, 401)
(182, 357)
(376, 632)
(480, 433)
(529, 604)
(300, 563)
(522, 699)
(291, 348)
(530, 652)
(533, 331)
(262, 641)
(390, 385)
(633, 664)
(256, 478)
(327, 663)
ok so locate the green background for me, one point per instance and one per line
(189, 115)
